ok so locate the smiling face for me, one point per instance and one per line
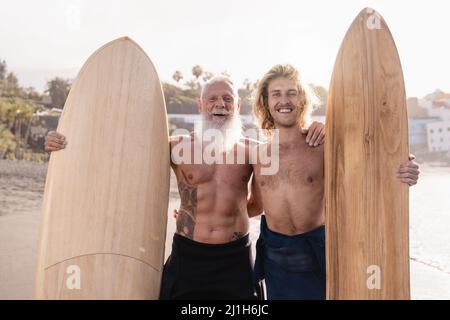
(219, 106)
(218, 102)
(282, 99)
(284, 102)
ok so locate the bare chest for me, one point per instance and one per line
(298, 168)
(230, 174)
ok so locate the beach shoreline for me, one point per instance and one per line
(21, 190)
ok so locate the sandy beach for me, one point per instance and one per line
(22, 187)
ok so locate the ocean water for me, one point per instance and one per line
(430, 219)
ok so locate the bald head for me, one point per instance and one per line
(219, 80)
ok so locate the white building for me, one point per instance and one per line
(438, 135)
(440, 112)
(437, 105)
(424, 103)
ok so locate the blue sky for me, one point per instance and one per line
(45, 38)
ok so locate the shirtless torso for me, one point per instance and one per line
(293, 198)
(213, 205)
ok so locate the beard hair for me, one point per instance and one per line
(225, 135)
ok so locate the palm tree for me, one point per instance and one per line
(3, 69)
(58, 89)
(197, 71)
(177, 76)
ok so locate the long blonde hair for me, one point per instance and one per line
(260, 102)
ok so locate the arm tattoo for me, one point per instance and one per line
(185, 224)
(187, 211)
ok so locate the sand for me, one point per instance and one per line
(21, 191)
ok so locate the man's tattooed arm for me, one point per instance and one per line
(187, 211)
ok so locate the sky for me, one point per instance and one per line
(46, 38)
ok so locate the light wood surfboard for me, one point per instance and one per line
(367, 241)
(104, 212)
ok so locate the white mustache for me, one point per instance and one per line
(220, 111)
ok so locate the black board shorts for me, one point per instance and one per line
(197, 270)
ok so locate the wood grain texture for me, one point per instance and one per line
(107, 192)
(367, 139)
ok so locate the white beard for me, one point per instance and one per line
(224, 135)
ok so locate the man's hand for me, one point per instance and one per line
(409, 171)
(54, 141)
(316, 134)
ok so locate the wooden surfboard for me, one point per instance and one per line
(104, 212)
(367, 242)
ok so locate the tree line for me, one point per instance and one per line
(19, 106)
(181, 98)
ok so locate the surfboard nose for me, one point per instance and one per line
(125, 38)
(121, 40)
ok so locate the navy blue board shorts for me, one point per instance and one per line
(293, 267)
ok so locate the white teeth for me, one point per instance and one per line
(285, 110)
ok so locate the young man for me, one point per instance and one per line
(291, 247)
(211, 255)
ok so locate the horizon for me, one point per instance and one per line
(50, 38)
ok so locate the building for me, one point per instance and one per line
(436, 124)
(439, 112)
(437, 105)
(417, 129)
(415, 110)
(438, 136)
